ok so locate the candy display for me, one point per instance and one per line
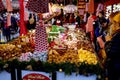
(73, 56)
(69, 56)
(8, 51)
(23, 43)
(36, 56)
(70, 44)
(69, 51)
(16, 47)
(72, 38)
(87, 57)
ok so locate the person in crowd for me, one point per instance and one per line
(100, 33)
(112, 49)
(66, 18)
(14, 26)
(31, 22)
(100, 29)
(71, 19)
(1, 22)
(90, 28)
(1, 27)
(111, 26)
(77, 18)
(86, 15)
(6, 29)
(101, 17)
(61, 17)
(96, 25)
(99, 39)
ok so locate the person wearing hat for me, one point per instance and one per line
(112, 49)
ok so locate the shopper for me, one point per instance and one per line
(31, 22)
(14, 26)
(111, 26)
(112, 49)
(77, 18)
(6, 28)
(100, 33)
(90, 28)
(101, 16)
(100, 30)
(1, 28)
(71, 19)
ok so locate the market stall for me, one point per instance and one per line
(69, 51)
(64, 50)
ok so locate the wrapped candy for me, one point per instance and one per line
(42, 56)
(25, 56)
(87, 57)
(54, 28)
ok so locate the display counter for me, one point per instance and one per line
(70, 52)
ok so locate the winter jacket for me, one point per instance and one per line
(112, 49)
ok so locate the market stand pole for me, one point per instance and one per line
(23, 30)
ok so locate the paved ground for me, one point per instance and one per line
(5, 75)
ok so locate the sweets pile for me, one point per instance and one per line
(71, 46)
(73, 56)
(87, 57)
(16, 47)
